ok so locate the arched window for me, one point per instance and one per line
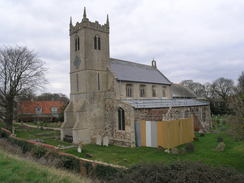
(129, 90)
(121, 118)
(164, 91)
(154, 93)
(97, 42)
(77, 43)
(142, 91)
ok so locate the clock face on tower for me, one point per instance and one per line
(77, 62)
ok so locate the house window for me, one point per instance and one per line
(154, 93)
(38, 110)
(164, 91)
(98, 81)
(77, 43)
(54, 110)
(97, 43)
(142, 91)
(129, 90)
(121, 118)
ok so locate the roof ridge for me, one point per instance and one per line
(132, 62)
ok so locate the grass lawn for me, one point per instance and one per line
(14, 169)
(46, 136)
(233, 156)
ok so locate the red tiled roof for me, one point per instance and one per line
(29, 107)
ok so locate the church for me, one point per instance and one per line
(108, 96)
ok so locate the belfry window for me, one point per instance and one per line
(77, 43)
(97, 43)
(129, 90)
(121, 118)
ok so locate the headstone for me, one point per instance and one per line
(174, 150)
(105, 141)
(79, 149)
(220, 147)
(196, 139)
(182, 151)
(99, 140)
(161, 148)
(167, 151)
(87, 155)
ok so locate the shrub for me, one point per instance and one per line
(105, 172)
(25, 146)
(189, 147)
(236, 124)
(3, 134)
(178, 172)
(70, 163)
(39, 151)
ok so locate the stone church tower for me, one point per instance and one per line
(89, 56)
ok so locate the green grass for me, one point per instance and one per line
(47, 136)
(233, 156)
(14, 169)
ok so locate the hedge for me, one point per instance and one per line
(66, 161)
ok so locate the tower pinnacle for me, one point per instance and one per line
(84, 13)
(107, 20)
(70, 22)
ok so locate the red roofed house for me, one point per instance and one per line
(40, 110)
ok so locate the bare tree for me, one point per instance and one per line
(20, 72)
(223, 88)
(196, 87)
(241, 83)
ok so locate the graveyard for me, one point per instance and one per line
(204, 149)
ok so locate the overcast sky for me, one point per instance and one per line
(200, 40)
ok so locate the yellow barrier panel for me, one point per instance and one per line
(175, 132)
(143, 133)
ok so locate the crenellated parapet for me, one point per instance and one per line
(86, 23)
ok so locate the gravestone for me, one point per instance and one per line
(105, 141)
(99, 140)
(79, 149)
(220, 147)
(174, 150)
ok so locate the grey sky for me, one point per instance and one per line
(190, 39)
